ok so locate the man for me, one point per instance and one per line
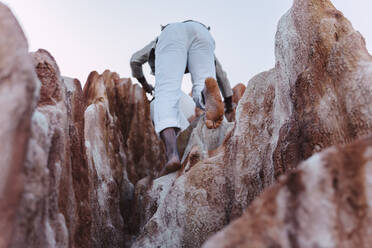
(181, 48)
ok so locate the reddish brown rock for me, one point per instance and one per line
(130, 110)
(326, 202)
(18, 82)
(55, 210)
(238, 92)
(316, 96)
(93, 154)
(48, 73)
(86, 152)
(122, 148)
(302, 115)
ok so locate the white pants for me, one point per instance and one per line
(180, 44)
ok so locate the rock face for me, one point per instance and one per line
(71, 157)
(122, 147)
(55, 207)
(18, 83)
(84, 157)
(238, 92)
(321, 86)
(326, 202)
(315, 97)
(79, 166)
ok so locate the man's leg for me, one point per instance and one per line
(201, 64)
(169, 138)
(170, 64)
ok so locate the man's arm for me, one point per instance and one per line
(136, 62)
(224, 85)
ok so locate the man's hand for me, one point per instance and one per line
(147, 87)
(229, 109)
(230, 115)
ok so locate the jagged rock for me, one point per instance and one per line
(326, 202)
(18, 84)
(90, 160)
(170, 195)
(86, 152)
(205, 140)
(316, 96)
(128, 106)
(55, 210)
(122, 147)
(238, 92)
(183, 209)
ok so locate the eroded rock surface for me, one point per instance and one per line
(55, 209)
(89, 158)
(85, 156)
(122, 148)
(18, 84)
(86, 151)
(326, 202)
(238, 92)
(315, 97)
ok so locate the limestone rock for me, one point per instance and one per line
(55, 210)
(316, 96)
(18, 87)
(89, 158)
(122, 147)
(170, 195)
(87, 150)
(326, 202)
(127, 110)
(238, 92)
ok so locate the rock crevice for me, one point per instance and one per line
(79, 166)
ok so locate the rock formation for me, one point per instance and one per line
(322, 90)
(122, 147)
(86, 151)
(54, 202)
(315, 97)
(79, 166)
(326, 202)
(18, 83)
(238, 92)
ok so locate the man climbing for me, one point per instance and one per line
(181, 48)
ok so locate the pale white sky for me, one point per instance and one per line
(86, 35)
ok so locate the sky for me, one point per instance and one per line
(87, 35)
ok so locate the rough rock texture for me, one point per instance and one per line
(55, 210)
(238, 92)
(131, 125)
(89, 158)
(18, 83)
(174, 195)
(122, 147)
(322, 87)
(329, 81)
(326, 202)
(184, 208)
(85, 155)
(316, 96)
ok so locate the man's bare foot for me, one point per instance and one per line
(214, 107)
(171, 166)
